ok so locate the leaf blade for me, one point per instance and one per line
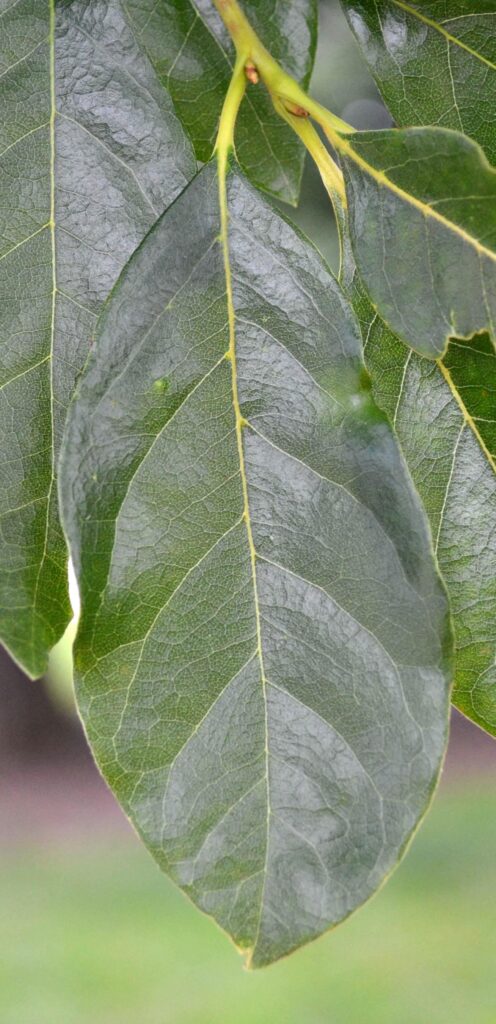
(75, 206)
(451, 462)
(406, 45)
(170, 684)
(427, 197)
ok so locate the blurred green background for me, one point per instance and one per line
(91, 933)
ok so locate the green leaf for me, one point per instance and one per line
(444, 414)
(443, 74)
(194, 56)
(78, 190)
(434, 62)
(263, 653)
(422, 215)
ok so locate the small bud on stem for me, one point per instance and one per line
(295, 109)
(252, 73)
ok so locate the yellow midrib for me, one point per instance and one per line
(222, 158)
(381, 177)
(439, 27)
(469, 420)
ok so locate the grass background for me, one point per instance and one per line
(91, 933)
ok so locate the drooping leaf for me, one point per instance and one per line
(263, 649)
(434, 61)
(192, 52)
(90, 154)
(444, 414)
(443, 74)
(422, 218)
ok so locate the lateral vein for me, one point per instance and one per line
(439, 27)
(465, 413)
(381, 177)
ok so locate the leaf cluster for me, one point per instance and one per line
(277, 488)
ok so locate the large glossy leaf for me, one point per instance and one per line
(90, 154)
(422, 215)
(192, 51)
(444, 414)
(261, 663)
(434, 61)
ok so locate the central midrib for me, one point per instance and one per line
(241, 423)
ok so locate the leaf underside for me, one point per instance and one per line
(194, 56)
(434, 62)
(90, 153)
(263, 651)
(422, 218)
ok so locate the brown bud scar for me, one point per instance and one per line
(294, 109)
(252, 73)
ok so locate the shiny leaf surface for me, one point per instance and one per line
(422, 216)
(78, 190)
(194, 56)
(444, 414)
(434, 62)
(263, 655)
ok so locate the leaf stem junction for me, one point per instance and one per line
(254, 62)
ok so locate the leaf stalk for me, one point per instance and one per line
(279, 84)
(253, 61)
(330, 173)
(237, 88)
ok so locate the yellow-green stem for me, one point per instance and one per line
(332, 177)
(279, 84)
(290, 102)
(232, 102)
